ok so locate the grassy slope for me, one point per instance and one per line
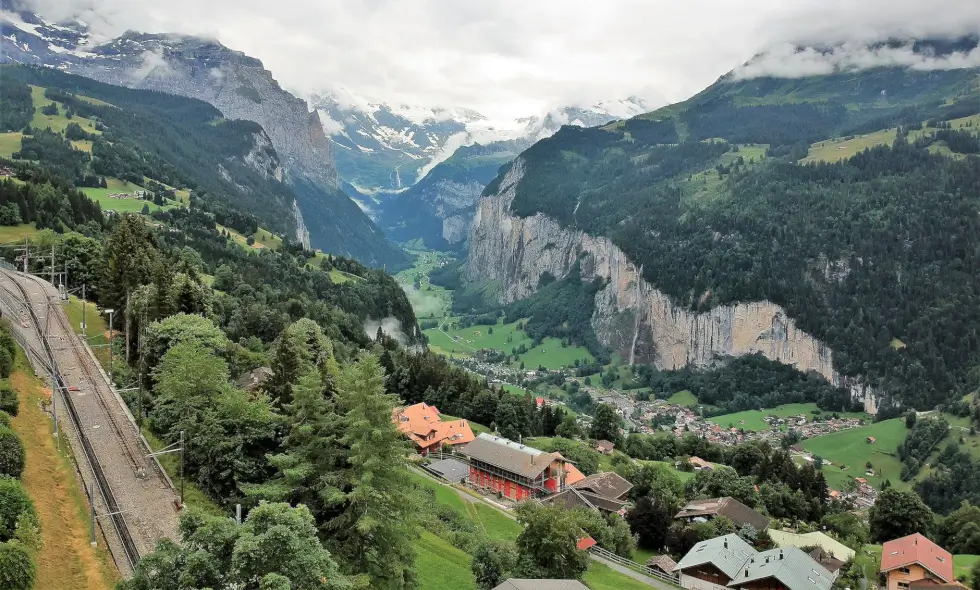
(683, 398)
(59, 122)
(851, 448)
(838, 148)
(66, 560)
(753, 419)
(114, 185)
(10, 143)
(16, 233)
(439, 565)
(506, 337)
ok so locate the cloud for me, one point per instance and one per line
(330, 127)
(155, 64)
(391, 326)
(510, 58)
(790, 61)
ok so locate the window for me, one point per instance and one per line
(903, 585)
(905, 570)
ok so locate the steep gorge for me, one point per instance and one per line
(632, 316)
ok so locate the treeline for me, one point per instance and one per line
(746, 383)
(170, 139)
(20, 528)
(49, 202)
(16, 107)
(853, 251)
(783, 124)
(920, 441)
(561, 309)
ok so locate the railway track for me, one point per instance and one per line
(138, 500)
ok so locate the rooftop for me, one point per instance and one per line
(830, 545)
(790, 565)
(508, 455)
(730, 508)
(917, 549)
(608, 484)
(727, 553)
(516, 584)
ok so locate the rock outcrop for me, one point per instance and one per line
(632, 316)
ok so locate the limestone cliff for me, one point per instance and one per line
(632, 316)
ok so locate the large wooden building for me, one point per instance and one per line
(913, 559)
(729, 562)
(513, 470)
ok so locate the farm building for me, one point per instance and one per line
(603, 492)
(738, 513)
(913, 559)
(514, 470)
(423, 425)
(729, 562)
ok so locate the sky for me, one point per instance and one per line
(511, 58)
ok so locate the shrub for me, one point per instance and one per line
(11, 453)
(8, 399)
(14, 505)
(4, 419)
(17, 567)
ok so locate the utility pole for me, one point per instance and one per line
(181, 468)
(91, 503)
(110, 311)
(52, 264)
(54, 405)
(127, 326)
(84, 327)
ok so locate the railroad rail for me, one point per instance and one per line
(146, 511)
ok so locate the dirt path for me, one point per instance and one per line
(67, 561)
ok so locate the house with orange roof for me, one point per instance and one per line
(423, 425)
(915, 560)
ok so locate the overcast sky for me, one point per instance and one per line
(509, 58)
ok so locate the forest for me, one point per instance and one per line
(869, 255)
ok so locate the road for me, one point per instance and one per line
(135, 501)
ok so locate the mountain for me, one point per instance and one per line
(240, 87)
(439, 209)
(751, 219)
(383, 147)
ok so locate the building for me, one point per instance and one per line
(605, 447)
(914, 559)
(830, 546)
(738, 513)
(513, 470)
(423, 425)
(782, 569)
(663, 564)
(607, 484)
(604, 492)
(828, 561)
(729, 562)
(712, 564)
(449, 470)
(700, 464)
(516, 584)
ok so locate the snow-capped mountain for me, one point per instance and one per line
(381, 147)
(237, 85)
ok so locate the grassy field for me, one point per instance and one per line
(10, 143)
(754, 419)
(428, 301)
(962, 565)
(506, 337)
(16, 233)
(57, 123)
(836, 149)
(193, 496)
(439, 565)
(683, 398)
(850, 448)
(114, 185)
(66, 561)
(602, 577)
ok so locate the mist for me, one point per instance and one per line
(391, 326)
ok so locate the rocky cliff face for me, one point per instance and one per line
(238, 85)
(631, 315)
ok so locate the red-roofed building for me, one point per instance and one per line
(423, 425)
(914, 558)
(585, 543)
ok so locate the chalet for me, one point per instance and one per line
(513, 470)
(607, 484)
(782, 569)
(828, 545)
(423, 425)
(700, 464)
(604, 446)
(603, 492)
(729, 562)
(738, 513)
(915, 559)
(663, 564)
(712, 564)
(871, 440)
